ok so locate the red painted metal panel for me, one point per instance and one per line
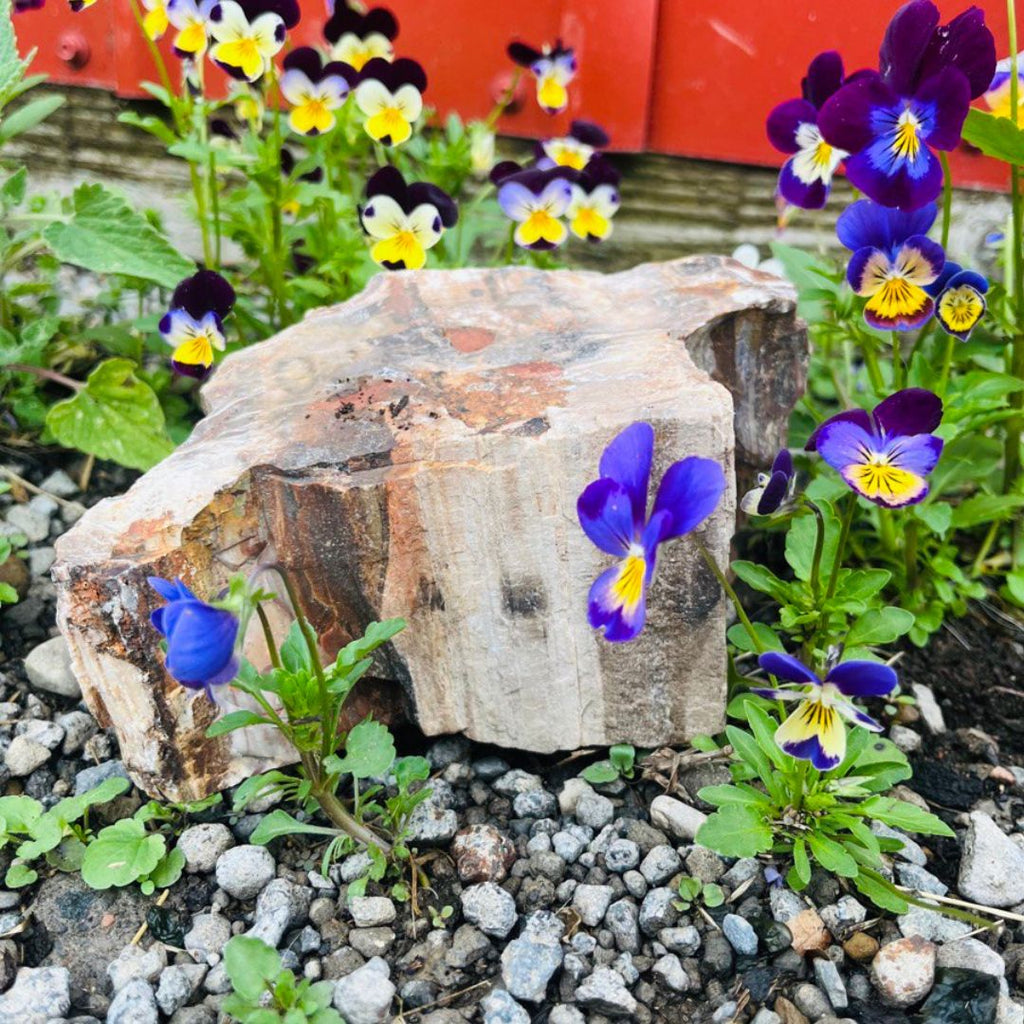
(720, 68)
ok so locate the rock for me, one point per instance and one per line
(931, 925)
(570, 794)
(48, 668)
(371, 942)
(517, 781)
(991, 865)
(740, 934)
(591, 902)
(861, 947)
(971, 955)
(915, 877)
(657, 911)
(24, 756)
(500, 1008)
(604, 992)
(788, 1013)
(483, 854)
(704, 864)
(928, 706)
(621, 856)
(91, 777)
(910, 851)
(206, 939)
(766, 1016)
(134, 1004)
(60, 484)
(376, 454)
(371, 911)
(178, 984)
(38, 994)
(490, 908)
(622, 920)
(538, 803)
(202, 845)
(903, 971)
(469, 944)
(568, 846)
(684, 941)
(243, 871)
(430, 825)
(660, 865)
(33, 523)
(785, 904)
(529, 962)
(364, 996)
(39, 562)
(563, 1014)
(826, 974)
(280, 906)
(675, 817)
(906, 739)
(78, 726)
(594, 811)
(135, 962)
(670, 972)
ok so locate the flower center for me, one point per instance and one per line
(906, 143)
(961, 308)
(629, 587)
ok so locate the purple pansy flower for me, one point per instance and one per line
(391, 97)
(959, 299)
(775, 489)
(893, 262)
(404, 220)
(613, 513)
(193, 326)
(357, 38)
(554, 67)
(314, 89)
(891, 121)
(595, 200)
(814, 731)
(200, 638)
(806, 177)
(536, 200)
(885, 456)
(249, 33)
(573, 150)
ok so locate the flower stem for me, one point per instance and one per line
(871, 365)
(897, 360)
(819, 547)
(910, 552)
(947, 195)
(335, 810)
(39, 371)
(947, 363)
(731, 594)
(844, 535)
(268, 635)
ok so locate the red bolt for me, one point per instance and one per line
(73, 49)
(500, 86)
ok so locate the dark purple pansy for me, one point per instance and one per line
(288, 164)
(314, 89)
(959, 299)
(357, 38)
(204, 292)
(806, 177)
(193, 325)
(574, 150)
(775, 489)
(287, 10)
(891, 121)
(595, 200)
(554, 67)
(536, 200)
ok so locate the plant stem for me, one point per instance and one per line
(335, 810)
(947, 195)
(897, 360)
(880, 879)
(819, 547)
(268, 635)
(38, 371)
(871, 365)
(731, 594)
(154, 51)
(844, 535)
(910, 552)
(947, 363)
(978, 566)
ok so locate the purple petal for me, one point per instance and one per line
(589, 134)
(627, 460)
(945, 99)
(606, 611)
(901, 186)
(919, 453)
(862, 678)
(966, 44)
(920, 260)
(865, 265)
(856, 416)
(910, 411)
(811, 750)
(824, 77)
(906, 41)
(689, 491)
(785, 666)
(811, 196)
(606, 515)
(304, 59)
(523, 55)
(968, 278)
(172, 590)
(784, 121)
(773, 494)
(388, 181)
(201, 643)
(845, 119)
(842, 443)
(783, 462)
(864, 223)
(203, 293)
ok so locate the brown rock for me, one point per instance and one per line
(904, 971)
(483, 854)
(788, 1012)
(418, 451)
(861, 946)
(809, 932)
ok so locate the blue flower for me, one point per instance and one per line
(775, 490)
(613, 514)
(200, 638)
(959, 299)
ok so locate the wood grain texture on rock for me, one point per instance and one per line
(418, 452)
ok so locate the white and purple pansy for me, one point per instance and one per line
(314, 89)
(536, 201)
(194, 324)
(390, 94)
(403, 220)
(999, 94)
(573, 150)
(893, 262)
(191, 19)
(890, 121)
(594, 201)
(885, 455)
(959, 299)
(814, 731)
(613, 514)
(806, 177)
(249, 33)
(357, 38)
(775, 490)
(554, 67)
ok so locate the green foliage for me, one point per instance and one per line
(620, 763)
(995, 136)
(263, 992)
(692, 891)
(122, 853)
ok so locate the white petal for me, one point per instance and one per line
(409, 102)
(425, 223)
(383, 217)
(372, 97)
(296, 86)
(232, 23)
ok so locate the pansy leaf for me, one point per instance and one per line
(19, 875)
(280, 823)
(994, 136)
(762, 579)
(937, 516)
(986, 508)
(27, 116)
(902, 815)
(600, 771)
(376, 635)
(880, 626)
(741, 639)
(295, 651)
(168, 870)
(832, 856)
(250, 963)
(235, 720)
(801, 539)
(71, 808)
(882, 897)
(114, 416)
(369, 751)
(411, 769)
(736, 831)
(120, 854)
(104, 234)
(259, 785)
(801, 862)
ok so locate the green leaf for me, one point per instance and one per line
(741, 794)
(763, 580)
(938, 517)
(20, 875)
(115, 416)
(1015, 586)
(808, 275)
(168, 870)
(280, 823)
(12, 68)
(148, 123)
(295, 651)
(409, 770)
(104, 234)
(735, 832)
(994, 136)
(902, 815)
(742, 641)
(832, 856)
(862, 584)
(880, 895)
(377, 634)
(13, 191)
(879, 626)
(712, 895)
(8, 595)
(71, 808)
(250, 963)
(764, 729)
(600, 771)
(801, 862)
(369, 751)
(27, 116)
(623, 757)
(19, 812)
(235, 720)
(802, 537)
(986, 508)
(120, 854)
(46, 832)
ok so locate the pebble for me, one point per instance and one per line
(670, 972)
(563, 1014)
(500, 1008)
(568, 846)
(48, 667)
(911, 850)
(991, 865)
(861, 947)
(905, 739)
(489, 907)
(447, 751)
(207, 937)
(243, 871)
(785, 904)
(605, 992)
(202, 845)
(826, 974)
(484, 854)
(537, 803)
(915, 877)
(42, 731)
(928, 706)
(740, 934)
(903, 971)
(675, 817)
(971, 955)
(622, 920)
(91, 777)
(364, 996)
(594, 810)
(810, 1001)
(33, 523)
(430, 825)
(931, 925)
(635, 883)
(78, 726)
(60, 484)
(657, 911)
(24, 756)
(134, 1004)
(178, 983)
(704, 864)
(766, 1016)
(135, 962)
(684, 941)
(591, 902)
(371, 942)
(660, 864)
(570, 794)
(622, 855)
(516, 781)
(529, 962)
(842, 915)
(37, 992)
(469, 944)
(371, 911)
